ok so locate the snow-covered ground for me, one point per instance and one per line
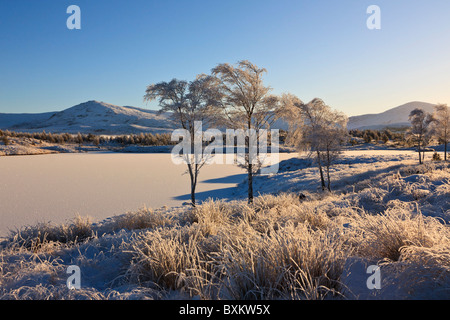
(392, 173)
(300, 174)
(285, 246)
(30, 146)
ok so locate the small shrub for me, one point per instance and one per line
(5, 140)
(436, 157)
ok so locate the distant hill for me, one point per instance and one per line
(91, 117)
(104, 118)
(8, 120)
(392, 118)
(97, 118)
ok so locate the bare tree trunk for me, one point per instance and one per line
(445, 150)
(193, 175)
(328, 176)
(328, 170)
(193, 195)
(420, 157)
(322, 179)
(250, 165)
(194, 185)
(250, 183)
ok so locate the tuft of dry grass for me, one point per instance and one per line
(384, 236)
(144, 218)
(293, 261)
(169, 261)
(44, 235)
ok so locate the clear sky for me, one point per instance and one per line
(311, 48)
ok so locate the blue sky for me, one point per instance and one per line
(310, 48)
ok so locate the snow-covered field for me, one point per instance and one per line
(385, 210)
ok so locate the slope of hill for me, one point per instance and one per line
(395, 117)
(94, 117)
(8, 120)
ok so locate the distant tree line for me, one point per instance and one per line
(386, 135)
(145, 139)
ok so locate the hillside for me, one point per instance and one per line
(92, 117)
(8, 120)
(395, 117)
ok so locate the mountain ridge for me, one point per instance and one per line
(391, 118)
(96, 117)
(103, 118)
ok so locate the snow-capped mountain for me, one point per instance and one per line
(91, 117)
(395, 117)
